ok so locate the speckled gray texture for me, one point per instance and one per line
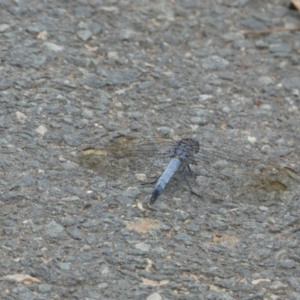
(73, 71)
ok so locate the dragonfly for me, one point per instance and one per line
(206, 170)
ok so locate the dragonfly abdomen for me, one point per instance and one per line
(165, 177)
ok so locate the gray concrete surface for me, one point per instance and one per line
(73, 71)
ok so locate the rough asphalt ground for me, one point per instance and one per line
(72, 71)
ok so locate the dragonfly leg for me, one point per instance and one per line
(150, 182)
(149, 206)
(185, 178)
(191, 173)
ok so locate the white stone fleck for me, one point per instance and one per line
(141, 177)
(266, 107)
(112, 55)
(4, 27)
(261, 280)
(252, 139)
(21, 117)
(154, 296)
(41, 130)
(43, 35)
(140, 206)
(293, 108)
(205, 97)
(53, 47)
(143, 246)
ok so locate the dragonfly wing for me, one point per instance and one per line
(242, 179)
(126, 154)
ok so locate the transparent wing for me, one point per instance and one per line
(127, 154)
(235, 182)
(227, 172)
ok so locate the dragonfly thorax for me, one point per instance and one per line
(184, 149)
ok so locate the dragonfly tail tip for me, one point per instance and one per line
(154, 196)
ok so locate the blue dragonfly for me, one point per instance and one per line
(205, 169)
